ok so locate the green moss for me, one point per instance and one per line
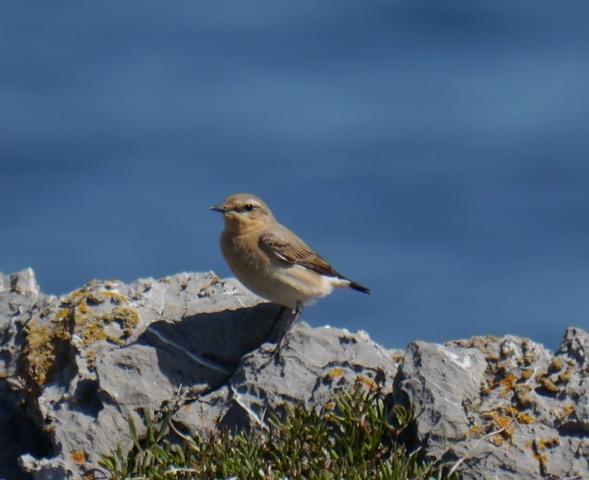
(355, 436)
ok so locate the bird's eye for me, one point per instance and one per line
(248, 207)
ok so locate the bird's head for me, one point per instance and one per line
(244, 211)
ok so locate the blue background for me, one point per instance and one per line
(435, 151)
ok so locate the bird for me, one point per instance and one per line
(272, 261)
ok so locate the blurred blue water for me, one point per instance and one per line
(435, 151)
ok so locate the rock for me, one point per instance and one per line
(74, 369)
(573, 356)
(19, 296)
(501, 405)
(311, 366)
(440, 380)
(82, 364)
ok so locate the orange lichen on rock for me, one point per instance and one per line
(502, 423)
(508, 384)
(539, 446)
(525, 418)
(79, 457)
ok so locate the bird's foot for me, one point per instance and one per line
(279, 348)
(276, 352)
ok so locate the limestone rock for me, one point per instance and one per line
(311, 366)
(75, 368)
(506, 407)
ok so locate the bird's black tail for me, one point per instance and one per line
(360, 288)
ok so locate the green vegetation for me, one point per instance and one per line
(355, 436)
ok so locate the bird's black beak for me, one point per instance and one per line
(218, 208)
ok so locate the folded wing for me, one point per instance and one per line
(292, 250)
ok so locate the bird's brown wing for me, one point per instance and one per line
(287, 247)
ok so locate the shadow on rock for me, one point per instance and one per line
(204, 347)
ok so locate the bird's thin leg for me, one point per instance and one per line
(272, 331)
(284, 341)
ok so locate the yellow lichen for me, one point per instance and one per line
(512, 413)
(39, 352)
(91, 331)
(521, 394)
(397, 357)
(539, 446)
(38, 356)
(509, 410)
(542, 462)
(93, 298)
(126, 317)
(367, 382)
(75, 297)
(540, 374)
(528, 353)
(44, 342)
(83, 308)
(335, 373)
(525, 418)
(544, 443)
(508, 383)
(63, 314)
(565, 375)
(91, 359)
(88, 325)
(555, 365)
(547, 385)
(567, 411)
(502, 423)
(503, 368)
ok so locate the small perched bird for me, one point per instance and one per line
(272, 261)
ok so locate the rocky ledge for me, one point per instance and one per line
(74, 368)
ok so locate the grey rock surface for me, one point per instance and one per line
(75, 368)
(312, 364)
(505, 408)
